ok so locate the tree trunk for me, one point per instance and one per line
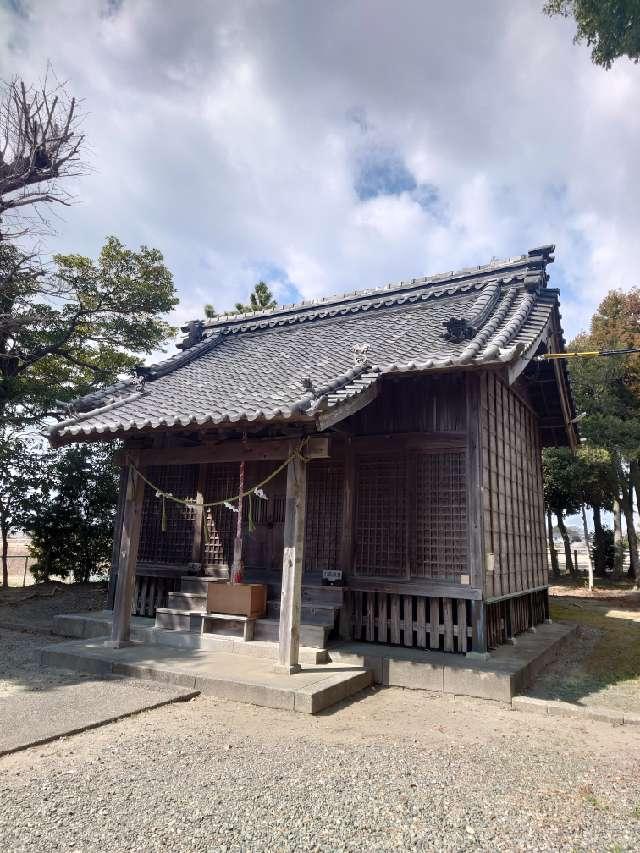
(632, 538)
(567, 544)
(5, 555)
(618, 560)
(634, 479)
(588, 546)
(555, 567)
(599, 557)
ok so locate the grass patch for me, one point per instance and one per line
(616, 653)
(602, 666)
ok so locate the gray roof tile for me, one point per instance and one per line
(298, 360)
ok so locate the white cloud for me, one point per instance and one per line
(229, 134)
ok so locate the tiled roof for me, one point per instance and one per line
(302, 359)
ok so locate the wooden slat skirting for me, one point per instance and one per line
(411, 620)
(512, 616)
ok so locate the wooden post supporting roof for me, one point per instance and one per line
(291, 599)
(129, 541)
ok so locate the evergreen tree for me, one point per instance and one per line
(71, 521)
(260, 299)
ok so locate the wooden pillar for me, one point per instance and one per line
(479, 643)
(198, 518)
(117, 533)
(129, 541)
(237, 569)
(475, 527)
(291, 600)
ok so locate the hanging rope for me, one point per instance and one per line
(228, 502)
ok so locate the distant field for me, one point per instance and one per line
(18, 556)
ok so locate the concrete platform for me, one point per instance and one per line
(89, 626)
(506, 671)
(229, 676)
(32, 717)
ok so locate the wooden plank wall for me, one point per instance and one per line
(513, 511)
(414, 404)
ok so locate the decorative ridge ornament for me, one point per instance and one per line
(359, 353)
(461, 329)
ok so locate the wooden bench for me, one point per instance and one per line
(248, 623)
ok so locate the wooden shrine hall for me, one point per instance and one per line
(388, 443)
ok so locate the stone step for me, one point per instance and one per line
(173, 619)
(197, 586)
(309, 615)
(310, 635)
(187, 600)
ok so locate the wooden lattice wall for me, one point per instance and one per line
(411, 515)
(173, 545)
(512, 509)
(325, 488)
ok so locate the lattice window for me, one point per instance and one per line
(325, 482)
(221, 480)
(175, 543)
(441, 516)
(381, 517)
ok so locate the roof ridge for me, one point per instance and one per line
(542, 254)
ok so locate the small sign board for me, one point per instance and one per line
(332, 576)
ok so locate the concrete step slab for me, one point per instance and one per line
(310, 635)
(98, 624)
(220, 674)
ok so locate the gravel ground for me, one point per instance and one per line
(395, 770)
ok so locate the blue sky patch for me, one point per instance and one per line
(382, 171)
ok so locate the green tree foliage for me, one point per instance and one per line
(608, 391)
(75, 327)
(68, 330)
(20, 470)
(260, 299)
(561, 475)
(611, 28)
(71, 522)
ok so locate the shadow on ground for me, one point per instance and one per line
(601, 666)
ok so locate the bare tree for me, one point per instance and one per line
(40, 143)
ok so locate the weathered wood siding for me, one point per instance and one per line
(414, 404)
(409, 482)
(512, 506)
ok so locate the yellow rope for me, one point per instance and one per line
(190, 502)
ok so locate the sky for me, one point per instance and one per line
(329, 146)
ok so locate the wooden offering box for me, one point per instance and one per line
(237, 599)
